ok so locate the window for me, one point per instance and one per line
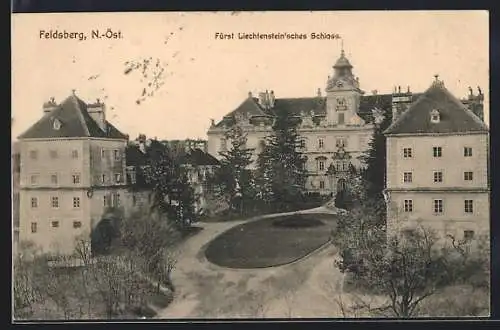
(223, 144)
(437, 151)
(76, 202)
(407, 177)
(116, 154)
(74, 154)
(53, 179)
(438, 176)
(77, 224)
(34, 202)
(435, 117)
(321, 165)
(34, 154)
(408, 205)
(341, 142)
(56, 124)
(53, 153)
(467, 152)
(34, 227)
(103, 153)
(76, 178)
(321, 143)
(407, 153)
(468, 235)
(438, 206)
(322, 185)
(468, 176)
(118, 177)
(341, 119)
(116, 200)
(105, 201)
(34, 179)
(103, 178)
(469, 206)
(55, 202)
(55, 224)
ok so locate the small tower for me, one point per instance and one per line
(401, 100)
(342, 92)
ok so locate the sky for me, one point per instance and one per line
(205, 78)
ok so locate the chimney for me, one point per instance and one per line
(263, 100)
(97, 111)
(319, 92)
(250, 95)
(212, 122)
(49, 106)
(271, 99)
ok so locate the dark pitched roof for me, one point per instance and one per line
(134, 156)
(454, 116)
(197, 157)
(318, 104)
(75, 122)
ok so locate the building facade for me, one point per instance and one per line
(336, 129)
(72, 167)
(437, 166)
(16, 178)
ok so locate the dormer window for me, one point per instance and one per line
(435, 116)
(56, 124)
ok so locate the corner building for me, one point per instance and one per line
(72, 167)
(437, 167)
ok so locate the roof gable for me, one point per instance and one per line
(75, 121)
(454, 116)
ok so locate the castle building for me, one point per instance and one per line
(72, 167)
(437, 166)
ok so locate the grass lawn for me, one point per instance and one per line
(270, 242)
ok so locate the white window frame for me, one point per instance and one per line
(438, 176)
(53, 154)
(118, 178)
(74, 153)
(437, 152)
(34, 202)
(76, 178)
(467, 151)
(408, 205)
(36, 181)
(76, 202)
(438, 206)
(469, 206)
(33, 154)
(468, 177)
(52, 177)
(54, 200)
(408, 152)
(407, 175)
(321, 142)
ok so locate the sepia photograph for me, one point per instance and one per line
(250, 165)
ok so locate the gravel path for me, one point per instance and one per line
(306, 288)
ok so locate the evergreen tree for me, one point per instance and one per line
(233, 178)
(172, 192)
(375, 159)
(281, 172)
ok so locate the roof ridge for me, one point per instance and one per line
(80, 114)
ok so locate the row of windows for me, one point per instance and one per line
(436, 152)
(54, 178)
(54, 202)
(340, 142)
(75, 154)
(437, 176)
(438, 206)
(339, 165)
(54, 224)
(53, 154)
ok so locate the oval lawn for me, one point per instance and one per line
(264, 243)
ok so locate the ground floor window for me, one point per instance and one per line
(468, 235)
(34, 227)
